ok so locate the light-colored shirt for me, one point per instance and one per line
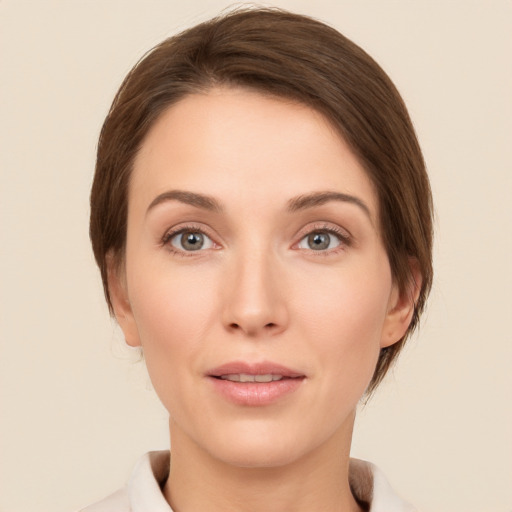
(143, 492)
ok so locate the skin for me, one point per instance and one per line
(255, 292)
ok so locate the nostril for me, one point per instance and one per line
(235, 326)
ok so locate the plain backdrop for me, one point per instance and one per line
(77, 410)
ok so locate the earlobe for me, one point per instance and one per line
(118, 292)
(401, 307)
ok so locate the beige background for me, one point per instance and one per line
(76, 412)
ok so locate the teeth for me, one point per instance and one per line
(263, 378)
(246, 377)
(232, 377)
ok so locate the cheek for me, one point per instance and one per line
(344, 319)
(352, 301)
(171, 306)
(173, 312)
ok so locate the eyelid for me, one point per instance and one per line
(183, 228)
(344, 236)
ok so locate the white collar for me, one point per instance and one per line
(366, 480)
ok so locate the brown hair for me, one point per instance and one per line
(285, 55)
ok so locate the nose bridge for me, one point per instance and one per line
(254, 302)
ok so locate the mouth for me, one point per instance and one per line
(246, 377)
(255, 384)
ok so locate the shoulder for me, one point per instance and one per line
(116, 502)
(143, 492)
(372, 490)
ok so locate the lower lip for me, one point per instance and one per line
(255, 393)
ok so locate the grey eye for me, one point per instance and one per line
(319, 241)
(191, 241)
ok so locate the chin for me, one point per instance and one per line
(258, 455)
(265, 445)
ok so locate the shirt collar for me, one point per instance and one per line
(367, 482)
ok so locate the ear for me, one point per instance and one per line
(118, 291)
(401, 307)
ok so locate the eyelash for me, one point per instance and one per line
(345, 239)
(169, 235)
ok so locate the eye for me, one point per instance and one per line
(320, 241)
(189, 240)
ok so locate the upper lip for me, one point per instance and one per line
(262, 368)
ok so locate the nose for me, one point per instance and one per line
(254, 297)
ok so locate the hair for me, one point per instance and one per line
(288, 56)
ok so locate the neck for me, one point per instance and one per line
(317, 481)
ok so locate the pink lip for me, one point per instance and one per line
(255, 393)
(262, 368)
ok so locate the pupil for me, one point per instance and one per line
(318, 241)
(192, 241)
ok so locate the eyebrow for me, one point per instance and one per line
(198, 200)
(319, 198)
(295, 204)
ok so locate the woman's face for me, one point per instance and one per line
(253, 254)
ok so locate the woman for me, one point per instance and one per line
(261, 217)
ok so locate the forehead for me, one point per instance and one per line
(238, 143)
